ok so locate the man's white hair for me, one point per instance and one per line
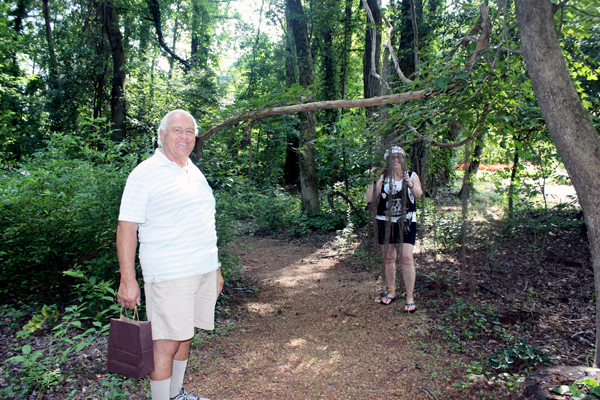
(164, 122)
(394, 150)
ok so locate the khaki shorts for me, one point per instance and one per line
(176, 307)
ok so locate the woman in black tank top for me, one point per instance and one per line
(396, 192)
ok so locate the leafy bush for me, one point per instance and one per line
(448, 231)
(518, 355)
(39, 373)
(303, 224)
(53, 212)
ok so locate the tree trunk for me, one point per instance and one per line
(200, 39)
(408, 41)
(175, 37)
(329, 86)
(347, 46)
(291, 171)
(51, 53)
(576, 140)
(511, 187)
(308, 171)
(474, 166)
(117, 96)
(372, 55)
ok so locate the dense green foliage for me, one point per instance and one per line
(58, 208)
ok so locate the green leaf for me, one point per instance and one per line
(74, 274)
(17, 359)
(441, 83)
(81, 346)
(595, 391)
(561, 389)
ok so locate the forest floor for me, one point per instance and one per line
(315, 327)
(308, 322)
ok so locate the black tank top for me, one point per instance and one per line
(391, 198)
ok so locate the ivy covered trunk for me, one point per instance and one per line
(576, 140)
(308, 171)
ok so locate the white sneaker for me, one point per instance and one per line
(183, 395)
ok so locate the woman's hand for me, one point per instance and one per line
(414, 184)
(407, 179)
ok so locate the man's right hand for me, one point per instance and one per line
(129, 295)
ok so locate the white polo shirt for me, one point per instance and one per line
(175, 210)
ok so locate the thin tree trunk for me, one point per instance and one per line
(415, 27)
(49, 38)
(199, 38)
(117, 97)
(345, 49)
(174, 43)
(474, 165)
(291, 169)
(371, 61)
(464, 216)
(511, 187)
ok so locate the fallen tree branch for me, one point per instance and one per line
(319, 105)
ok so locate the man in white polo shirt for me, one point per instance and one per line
(168, 203)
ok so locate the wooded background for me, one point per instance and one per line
(302, 98)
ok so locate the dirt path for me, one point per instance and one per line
(316, 329)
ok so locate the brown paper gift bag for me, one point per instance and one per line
(130, 347)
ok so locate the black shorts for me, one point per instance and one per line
(394, 228)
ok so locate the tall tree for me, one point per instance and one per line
(568, 121)
(200, 35)
(326, 19)
(50, 39)
(117, 97)
(291, 170)
(372, 55)
(308, 171)
(346, 47)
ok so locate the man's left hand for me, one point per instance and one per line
(220, 282)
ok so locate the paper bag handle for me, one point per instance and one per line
(125, 318)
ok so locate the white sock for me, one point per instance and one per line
(177, 376)
(160, 389)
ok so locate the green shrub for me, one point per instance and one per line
(448, 231)
(39, 373)
(52, 214)
(518, 355)
(303, 223)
